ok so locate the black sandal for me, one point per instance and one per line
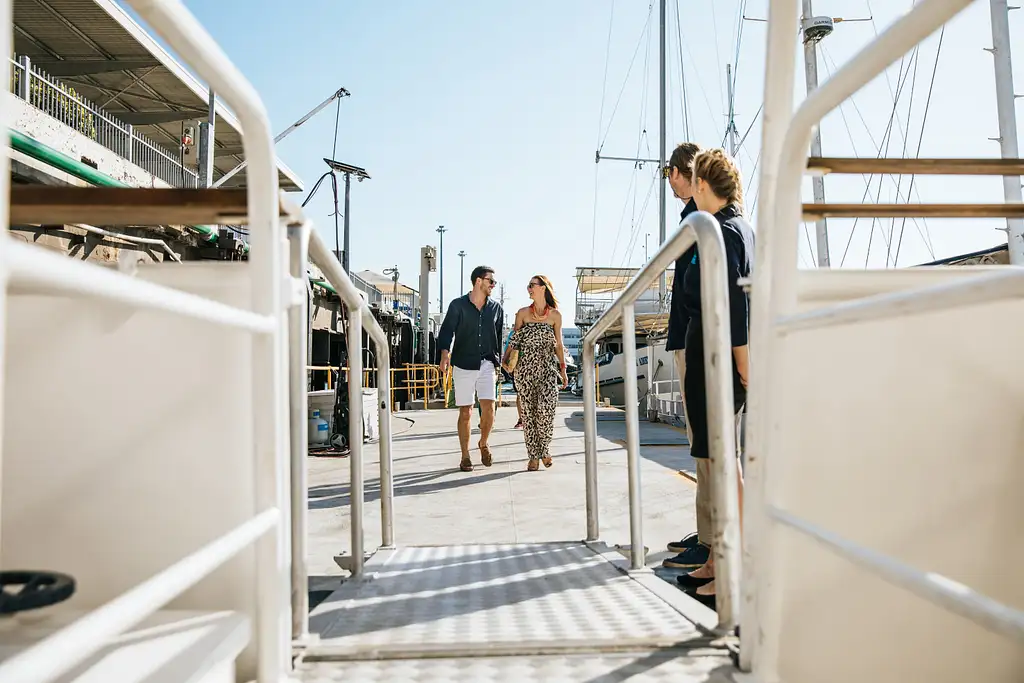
(689, 581)
(706, 600)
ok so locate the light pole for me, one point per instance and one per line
(440, 257)
(462, 272)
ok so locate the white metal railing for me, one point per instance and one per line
(665, 398)
(702, 228)
(785, 142)
(23, 267)
(54, 656)
(360, 318)
(60, 101)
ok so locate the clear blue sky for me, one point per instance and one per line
(484, 117)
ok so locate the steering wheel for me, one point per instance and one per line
(25, 590)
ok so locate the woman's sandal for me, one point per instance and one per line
(548, 462)
(689, 581)
(706, 600)
(533, 465)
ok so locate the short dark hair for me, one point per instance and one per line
(682, 158)
(479, 273)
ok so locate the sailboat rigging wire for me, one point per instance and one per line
(687, 113)
(751, 126)
(700, 83)
(625, 81)
(739, 43)
(604, 83)
(828, 60)
(810, 249)
(631, 246)
(902, 81)
(718, 52)
(903, 154)
(880, 152)
(920, 139)
(600, 125)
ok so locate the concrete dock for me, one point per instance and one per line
(437, 504)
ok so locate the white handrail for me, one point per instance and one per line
(62, 651)
(360, 319)
(979, 289)
(173, 22)
(700, 228)
(37, 270)
(299, 335)
(944, 592)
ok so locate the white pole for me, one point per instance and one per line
(662, 144)
(818, 181)
(1007, 123)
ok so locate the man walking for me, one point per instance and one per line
(475, 321)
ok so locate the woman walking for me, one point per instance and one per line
(717, 189)
(540, 368)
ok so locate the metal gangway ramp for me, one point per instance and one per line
(576, 610)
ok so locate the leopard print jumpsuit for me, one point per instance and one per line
(537, 380)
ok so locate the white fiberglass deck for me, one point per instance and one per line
(507, 611)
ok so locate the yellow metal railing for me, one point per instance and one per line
(418, 377)
(414, 382)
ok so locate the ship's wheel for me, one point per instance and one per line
(27, 590)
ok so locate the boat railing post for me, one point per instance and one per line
(298, 318)
(355, 435)
(387, 483)
(636, 520)
(590, 439)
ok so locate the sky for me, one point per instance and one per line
(484, 117)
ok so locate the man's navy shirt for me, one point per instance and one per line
(477, 333)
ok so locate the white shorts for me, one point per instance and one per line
(481, 382)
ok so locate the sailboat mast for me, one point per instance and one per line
(818, 181)
(662, 145)
(1007, 123)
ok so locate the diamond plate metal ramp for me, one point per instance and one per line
(635, 668)
(509, 600)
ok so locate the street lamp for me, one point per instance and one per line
(462, 272)
(440, 256)
(341, 249)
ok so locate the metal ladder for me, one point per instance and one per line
(775, 319)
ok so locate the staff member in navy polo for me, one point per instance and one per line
(475, 321)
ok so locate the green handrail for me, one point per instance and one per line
(48, 155)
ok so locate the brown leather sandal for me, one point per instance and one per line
(466, 465)
(548, 462)
(485, 456)
(533, 465)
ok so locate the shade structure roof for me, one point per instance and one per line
(111, 60)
